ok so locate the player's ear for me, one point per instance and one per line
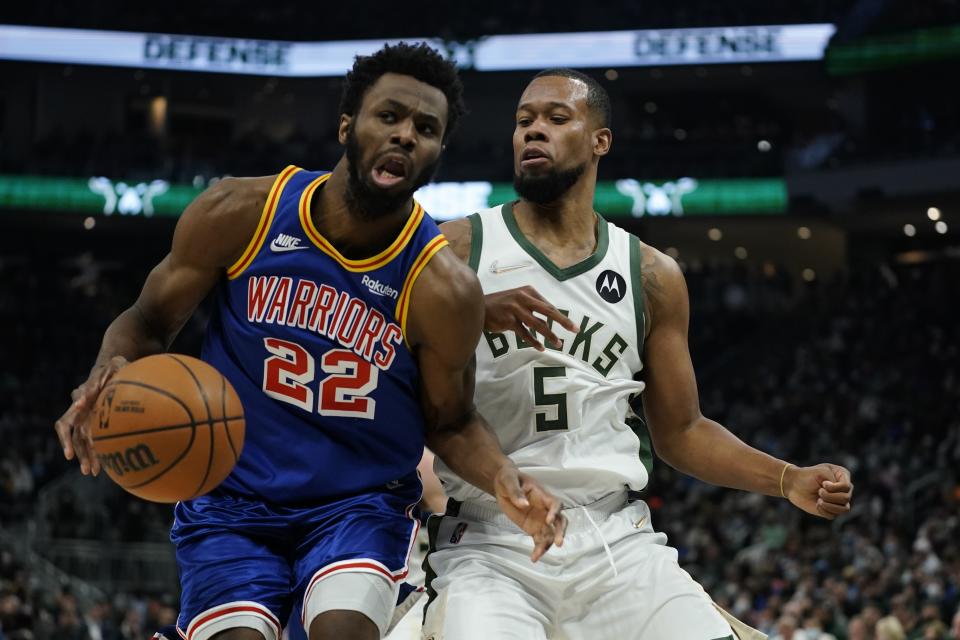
(346, 120)
(602, 140)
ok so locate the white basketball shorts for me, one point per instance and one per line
(613, 579)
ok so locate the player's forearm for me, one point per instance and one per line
(709, 452)
(471, 450)
(130, 336)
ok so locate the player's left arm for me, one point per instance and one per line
(696, 445)
(443, 328)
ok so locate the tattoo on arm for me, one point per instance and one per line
(653, 290)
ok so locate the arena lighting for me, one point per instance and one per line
(941, 227)
(809, 275)
(740, 252)
(764, 146)
(803, 233)
(933, 213)
(909, 230)
(277, 58)
(715, 234)
(89, 223)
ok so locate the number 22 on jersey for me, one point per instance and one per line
(344, 392)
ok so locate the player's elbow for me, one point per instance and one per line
(447, 425)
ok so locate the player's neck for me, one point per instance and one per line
(569, 218)
(354, 234)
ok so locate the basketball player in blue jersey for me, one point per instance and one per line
(348, 329)
(568, 411)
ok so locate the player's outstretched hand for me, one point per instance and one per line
(823, 490)
(513, 310)
(73, 428)
(532, 508)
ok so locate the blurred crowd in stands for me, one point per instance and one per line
(656, 136)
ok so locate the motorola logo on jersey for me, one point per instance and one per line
(611, 286)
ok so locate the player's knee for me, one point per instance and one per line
(238, 634)
(343, 625)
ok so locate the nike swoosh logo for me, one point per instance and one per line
(278, 248)
(496, 269)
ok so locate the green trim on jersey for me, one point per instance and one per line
(433, 532)
(603, 241)
(636, 281)
(639, 427)
(476, 241)
(635, 421)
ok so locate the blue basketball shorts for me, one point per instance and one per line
(247, 563)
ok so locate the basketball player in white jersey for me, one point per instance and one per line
(566, 411)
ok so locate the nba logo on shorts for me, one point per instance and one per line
(458, 533)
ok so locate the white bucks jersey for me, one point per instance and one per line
(564, 415)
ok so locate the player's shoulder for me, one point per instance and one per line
(656, 261)
(234, 199)
(218, 225)
(460, 232)
(663, 284)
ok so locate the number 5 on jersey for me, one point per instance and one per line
(551, 414)
(344, 392)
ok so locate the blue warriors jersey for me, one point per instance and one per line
(315, 345)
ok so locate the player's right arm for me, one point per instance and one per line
(696, 445)
(512, 309)
(211, 235)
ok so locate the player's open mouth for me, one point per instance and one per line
(390, 172)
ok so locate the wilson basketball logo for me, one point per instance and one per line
(131, 460)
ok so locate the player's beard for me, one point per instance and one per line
(369, 201)
(548, 187)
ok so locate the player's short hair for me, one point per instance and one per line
(417, 60)
(598, 100)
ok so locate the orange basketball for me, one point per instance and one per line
(168, 427)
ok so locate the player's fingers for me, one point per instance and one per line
(837, 487)
(553, 512)
(515, 492)
(832, 510)
(537, 303)
(841, 474)
(80, 449)
(527, 337)
(542, 543)
(834, 497)
(92, 458)
(537, 325)
(552, 313)
(560, 527)
(62, 427)
(540, 305)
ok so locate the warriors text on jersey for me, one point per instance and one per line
(314, 344)
(563, 415)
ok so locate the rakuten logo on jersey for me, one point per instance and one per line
(379, 288)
